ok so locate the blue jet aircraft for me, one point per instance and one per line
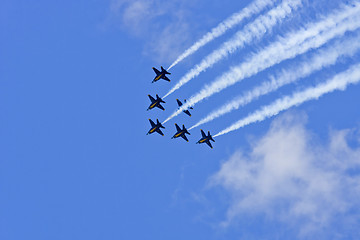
(155, 127)
(185, 111)
(160, 75)
(181, 132)
(206, 139)
(156, 102)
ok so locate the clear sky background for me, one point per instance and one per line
(75, 161)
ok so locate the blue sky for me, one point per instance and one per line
(76, 163)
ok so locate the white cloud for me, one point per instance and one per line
(162, 25)
(137, 12)
(291, 177)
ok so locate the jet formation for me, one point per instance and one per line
(156, 103)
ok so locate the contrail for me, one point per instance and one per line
(338, 82)
(314, 36)
(252, 31)
(233, 20)
(324, 58)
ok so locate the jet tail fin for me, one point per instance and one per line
(189, 107)
(157, 96)
(159, 123)
(186, 131)
(210, 137)
(164, 70)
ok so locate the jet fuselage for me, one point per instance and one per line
(206, 139)
(155, 102)
(155, 127)
(161, 75)
(181, 132)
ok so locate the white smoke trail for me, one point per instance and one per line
(314, 36)
(256, 29)
(233, 20)
(339, 82)
(324, 58)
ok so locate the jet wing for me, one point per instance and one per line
(156, 71)
(208, 143)
(203, 134)
(159, 131)
(152, 123)
(165, 78)
(184, 137)
(151, 98)
(178, 129)
(161, 107)
(187, 112)
(179, 103)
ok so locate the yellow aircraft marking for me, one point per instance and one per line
(158, 77)
(202, 140)
(152, 130)
(152, 105)
(178, 135)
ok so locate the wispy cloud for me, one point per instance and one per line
(311, 37)
(253, 30)
(321, 59)
(338, 82)
(232, 21)
(290, 178)
(162, 25)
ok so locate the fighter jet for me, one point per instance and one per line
(206, 139)
(185, 111)
(155, 103)
(155, 127)
(161, 74)
(181, 132)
